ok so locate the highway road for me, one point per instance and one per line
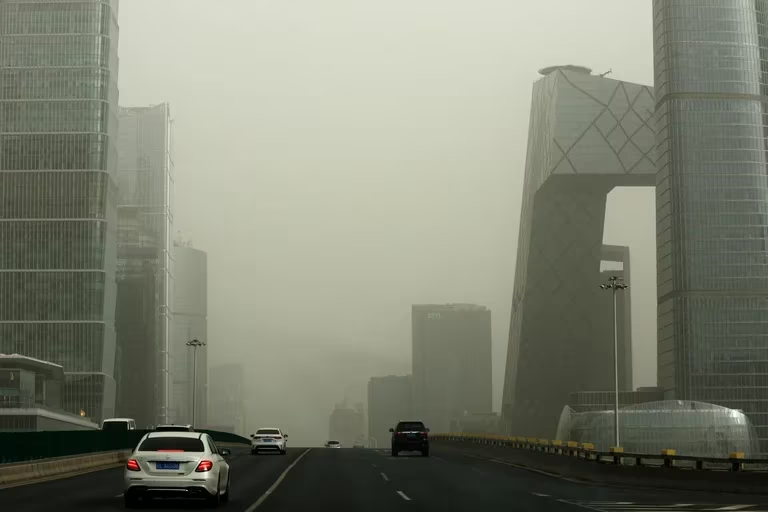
(371, 480)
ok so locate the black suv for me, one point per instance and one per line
(410, 436)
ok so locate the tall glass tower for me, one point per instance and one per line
(712, 203)
(58, 106)
(144, 315)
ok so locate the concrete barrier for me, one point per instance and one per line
(28, 472)
(578, 469)
(61, 467)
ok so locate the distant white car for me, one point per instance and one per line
(269, 439)
(333, 444)
(185, 465)
(118, 424)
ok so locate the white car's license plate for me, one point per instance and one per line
(267, 440)
(168, 465)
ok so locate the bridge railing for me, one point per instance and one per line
(29, 446)
(586, 451)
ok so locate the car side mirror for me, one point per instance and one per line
(253, 435)
(391, 430)
(427, 430)
(285, 436)
(225, 453)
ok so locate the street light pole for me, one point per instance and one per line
(195, 344)
(614, 284)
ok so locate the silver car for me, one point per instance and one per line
(185, 465)
(333, 444)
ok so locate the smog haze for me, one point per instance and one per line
(341, 160)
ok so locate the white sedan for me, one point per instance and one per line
(269, 439)
(176, 465)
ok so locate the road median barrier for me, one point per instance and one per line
(29, 472)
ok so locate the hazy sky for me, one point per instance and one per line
(340, 160)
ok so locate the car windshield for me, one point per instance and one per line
(115, 426)
(172, 444)
(268, 432)
(411, 426)
(173, 428)
(333, 442)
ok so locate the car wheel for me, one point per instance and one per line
(394, 452)
(425, 453)
(225, 496)
(254, 452)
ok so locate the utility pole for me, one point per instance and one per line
(614, 284)
(195, 344)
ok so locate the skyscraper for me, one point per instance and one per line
(226, 398)
(145, 263)
(451, 362)
(190, 314)
(346, 424)
(712, 203)
(389, 401)
(58, 201)
(587, 135)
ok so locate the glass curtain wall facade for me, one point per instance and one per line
(587, 135)
(58, 121)
(711, 60)
(145, 270)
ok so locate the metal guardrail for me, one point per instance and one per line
(586, 451)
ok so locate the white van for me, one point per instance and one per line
(118, 424)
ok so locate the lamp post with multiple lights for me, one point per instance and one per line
(614, 284)
(195, 344)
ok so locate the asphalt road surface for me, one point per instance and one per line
(371, 480)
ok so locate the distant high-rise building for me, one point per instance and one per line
(226, 398)
(451, 362)
(712, 203)
(145, 263)
(58, 161)
(190, 313)
(389, 401)
(587, 135)
(346, 425)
